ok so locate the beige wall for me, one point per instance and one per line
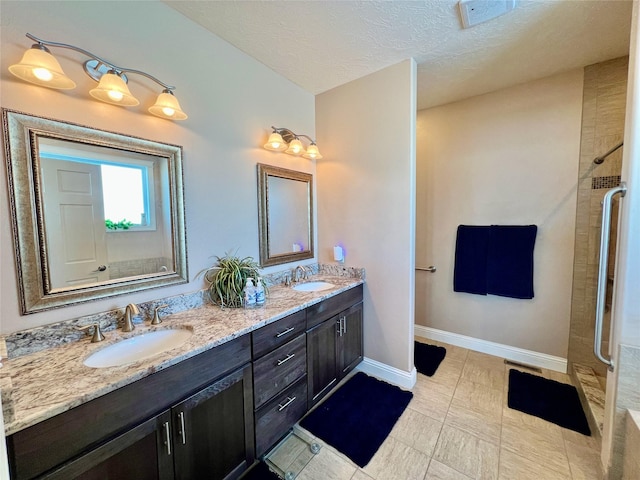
(508, 157)
(231, 99)
(366, 199)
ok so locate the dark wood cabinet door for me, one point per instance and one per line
(322, 368)
(213, 430)
(142, 453)
(350, 339)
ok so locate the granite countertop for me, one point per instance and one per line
(43, 384)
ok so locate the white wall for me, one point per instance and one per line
(508, 157)
(231, 99)
(366, 197)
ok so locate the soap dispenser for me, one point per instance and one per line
(249, 294)
(260, 296)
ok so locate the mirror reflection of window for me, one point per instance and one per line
(123, 193)
(128, 193)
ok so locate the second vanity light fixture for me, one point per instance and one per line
(284, 140)
(40, 67)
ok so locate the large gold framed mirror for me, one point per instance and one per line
(285, 215)
(94, 213)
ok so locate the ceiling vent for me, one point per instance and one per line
(473, 12)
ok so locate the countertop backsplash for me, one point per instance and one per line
(26, 342)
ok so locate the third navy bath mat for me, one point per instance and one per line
(547, 399)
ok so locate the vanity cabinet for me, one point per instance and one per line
(191, 420)
(334, 341)
(279, 372)
(206, 416)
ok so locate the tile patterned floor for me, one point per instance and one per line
(458, 427)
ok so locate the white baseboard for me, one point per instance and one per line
(387, 373)
(528, 357)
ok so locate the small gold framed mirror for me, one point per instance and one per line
(285, 215)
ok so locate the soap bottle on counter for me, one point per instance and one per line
(260, 297)
(249, 294)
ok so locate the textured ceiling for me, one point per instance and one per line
(322, 44)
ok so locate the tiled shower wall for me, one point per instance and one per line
(603, 111)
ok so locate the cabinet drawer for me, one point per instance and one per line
(279, 415)
(320, 312)
(278, 333)
(277, 370)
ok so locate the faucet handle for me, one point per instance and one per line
(156, 316)
(97, 333)
(308, 272)
(129, 311)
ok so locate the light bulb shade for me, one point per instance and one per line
(113, 89)
(167, 106)
(41, 68)
(312, 152)
(295, 147)
(275, 143)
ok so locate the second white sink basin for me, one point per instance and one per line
(137, 348)
(313, 286)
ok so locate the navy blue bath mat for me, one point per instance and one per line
(358, 417)
(547, 399)
(427, 358)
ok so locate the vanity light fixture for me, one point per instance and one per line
(40, 67)
(284, 140)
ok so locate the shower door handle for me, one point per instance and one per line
(605, 236)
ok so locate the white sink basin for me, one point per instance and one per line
(137, 348)
(313, 286)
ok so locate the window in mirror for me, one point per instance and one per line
(125, 193)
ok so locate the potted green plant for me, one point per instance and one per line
(228, 277)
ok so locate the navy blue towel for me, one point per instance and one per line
(510, 260)
(470, 268)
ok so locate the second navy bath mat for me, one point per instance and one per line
(427, 358)
(547, 399)
(358, 417)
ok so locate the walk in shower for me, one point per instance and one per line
(603, 116)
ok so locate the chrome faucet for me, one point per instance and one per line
(130, 310)
(299, 269)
